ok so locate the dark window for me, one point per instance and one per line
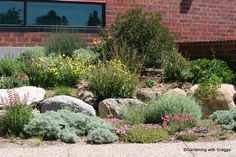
(69, 14)
(11, 13)
(43, 14)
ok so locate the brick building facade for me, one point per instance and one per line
(200, 26)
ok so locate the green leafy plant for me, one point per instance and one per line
(208, 88)
(111, 80)
(147, 40)
(145, 134)
(150, 83)
(17, 113)
(102, 136)
(64, 43)
(203, 69)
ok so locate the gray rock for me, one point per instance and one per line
(145, 94)
(110, 108)
(223, 99)
(58, 102)
(88, 97)
(34, 94)
(177, 91)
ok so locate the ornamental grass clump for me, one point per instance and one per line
(17, 113)
(112, 79)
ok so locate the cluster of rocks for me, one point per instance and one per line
(86, 101)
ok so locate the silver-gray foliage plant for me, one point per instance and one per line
(102, 136)
(64, 125)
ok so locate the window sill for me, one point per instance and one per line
(48, 29)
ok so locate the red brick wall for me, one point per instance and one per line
(201, 21)
(190, 20)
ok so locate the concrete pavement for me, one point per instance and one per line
(204, 149)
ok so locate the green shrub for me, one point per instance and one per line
(28, 54)
(58, 70)
(142, 35)
(142, 134)
(17, 80)
(17, 114)
(64, 125)
(102, 136)
(150, 83)
(112, 80)
(168, 104)
(87, 53)
(179, 69)
(226, 118)
(207, 89)
(64, 43)
(172, 104)
(203, 69)
(9, 66)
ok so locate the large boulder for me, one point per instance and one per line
(146, 94)
(176, 91)
(223, 99)
(33, 94)
(110, 108)
(58, 102)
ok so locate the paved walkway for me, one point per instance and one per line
(205, 149)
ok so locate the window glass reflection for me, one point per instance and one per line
(68, 14)
(11, 12)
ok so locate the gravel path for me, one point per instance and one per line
(219, 149)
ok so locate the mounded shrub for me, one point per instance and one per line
(102, 136)
(28, 54)
(64, 125)
(226, 118)
(172, 104)
(64, 43)
(168, 104)
(58, 70)
(112, 79)
(137, 34)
